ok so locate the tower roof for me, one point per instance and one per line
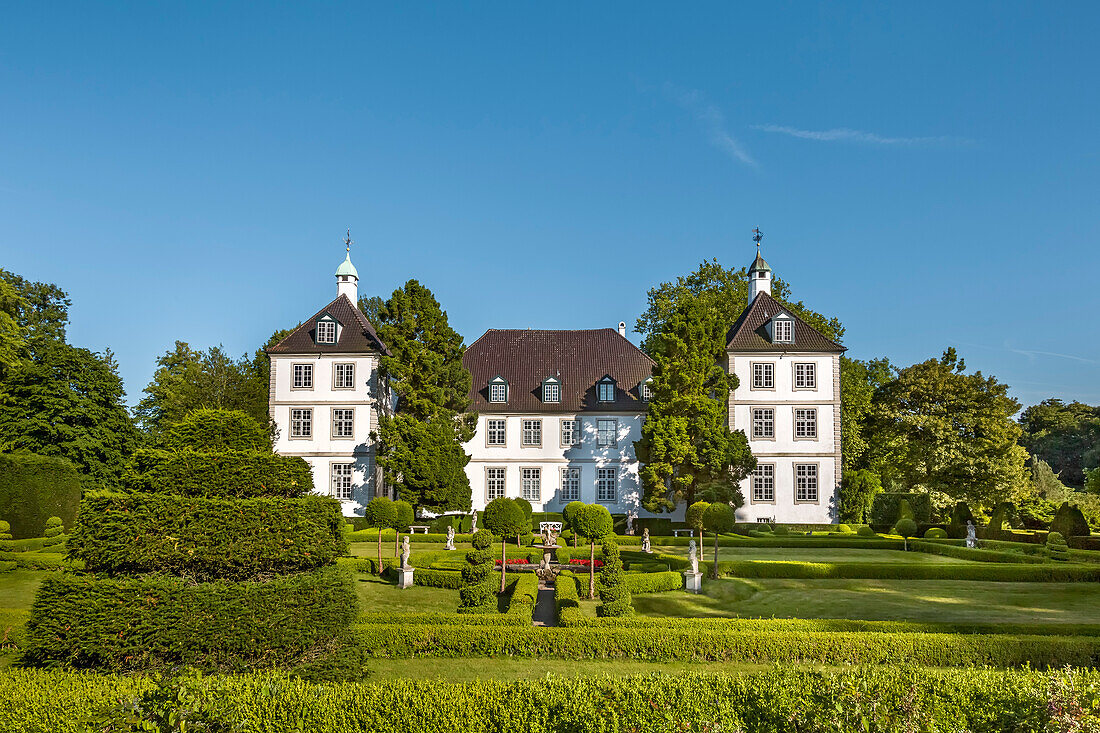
(346, 268)
(759, 265)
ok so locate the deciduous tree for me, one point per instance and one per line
(593, 522)
(505, 519)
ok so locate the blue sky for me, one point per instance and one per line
(927, 172)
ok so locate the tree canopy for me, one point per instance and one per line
(950, 432)
(858, 382)
(1064, 434)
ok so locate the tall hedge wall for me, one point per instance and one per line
(154, 622)
(34, 488)
(884, 508)
(242, 474)
(234, 539)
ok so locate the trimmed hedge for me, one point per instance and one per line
(440, 617)
(215, 430)
(991, 572)
(654, 582)
(968, 553)
(876, 700)
(567, 600)
(726, 645)
(155, 622)
(885, 507)
(524, 593)
(34, 488)
(241, 474)
(203, 538)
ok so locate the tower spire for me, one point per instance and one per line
(348, 241)
(760, 275)
(347, 277)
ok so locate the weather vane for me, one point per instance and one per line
(757, 235)
(348, 242)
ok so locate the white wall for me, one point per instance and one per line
(322, 449)
(551, 457)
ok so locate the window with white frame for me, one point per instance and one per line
(531, 487)
(494, 483)
(764, 520)
(805, 376)
(763, 422)
(606, 390)
(782, 330)
(647, 391)
(326, 332)
(570, 432)
(303, 376)
(763, 375)
(498, 390)
(805, 422)
(570, 485)
(606, 485)
(494, 432)
(607, 430)
(763, 482)
(805, 482)
(343, 422)
(341, 480)
(343, 376)
(551, 392)
(301, 422)
(532, 432)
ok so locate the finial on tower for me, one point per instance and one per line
(757, 235)
(347, 277)
(348, 241)
(760, 275)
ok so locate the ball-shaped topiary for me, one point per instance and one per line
(906, 528)
(504, 518)
(55, 531)
(593, 523)
(476, 594)
(781, 530)
(1057, 547)
(866, 531)
(935, 533)
(569, 514)
(614, 594)
(846, 529)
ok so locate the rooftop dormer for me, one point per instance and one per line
(498, 389)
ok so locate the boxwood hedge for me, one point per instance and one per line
(34, 488)
(142, 623)
(242, 474)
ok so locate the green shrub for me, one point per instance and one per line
(567, 599)
(846, 529)
(1069, 521)
(234, 539)
(228, 474)
(866, 531)
(1034, 572)
(961, 516)
(904, 510)
(1057, 547)
(1004, 511)
(878, 699)
(218, 431)
(614, 592)
(935, 533)
(7, 544)
(477, 594)
(885, 507)
(525, 591)
(781, 530)
(653, 582)
(906, 527)
(593, 523)
(55, 532)
(133, 624)
(433, 578)
(34, 488)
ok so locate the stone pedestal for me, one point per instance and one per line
(404, 577)
(693, 582)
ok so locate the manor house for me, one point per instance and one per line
(559, 410)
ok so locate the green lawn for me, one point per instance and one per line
(381, 595)
(917, 600)
(17, 588)
(810, 554)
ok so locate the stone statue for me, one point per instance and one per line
(405, 553)
(971, 534)
(630, 523)
(694, 557)
(473, 522)
(646, 546)
(450, 538)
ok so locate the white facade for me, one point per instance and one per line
(598, 468)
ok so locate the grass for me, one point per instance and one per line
(17, 588)
(809, 554)
(381, 595)
(916, 600)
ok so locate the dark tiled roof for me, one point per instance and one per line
(749, 333)
(578, 358)
(356, 336)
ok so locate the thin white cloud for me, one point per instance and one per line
(1072, 357)
(712, 120)
(846, 134)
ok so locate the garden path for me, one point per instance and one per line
(545, 607)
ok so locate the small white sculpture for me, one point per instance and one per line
(405, 553)
(646, 546)
(473, 522)
(630, 523)
(971, 534)
(694, 558)
(450, 539)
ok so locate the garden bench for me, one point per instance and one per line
(682, 532)
(414, 528)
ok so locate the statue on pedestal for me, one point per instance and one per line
(694, 557)
(630, 523)
(473, 522)
(405, 550)
(450, 539)
(646, 546)
(971, 534)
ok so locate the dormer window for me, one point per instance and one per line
(782, 329)
(551, 390)
(605, 389)
(645, 389)
(326, 331)
(498, 389)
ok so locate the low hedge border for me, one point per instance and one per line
(439, 617)
(567, 600)
(524, 594)
(726, 645)
(653, 582)
(945, 548)
(40, 561)
(781, 699)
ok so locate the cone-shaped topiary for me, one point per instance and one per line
(1069, 522)
(1057, 547)
(960, 515)
(614, 595)
(477, 594)
(55, 532)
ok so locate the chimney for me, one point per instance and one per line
(622, 328)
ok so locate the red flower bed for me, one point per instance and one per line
(517, 561)
(582, 561)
